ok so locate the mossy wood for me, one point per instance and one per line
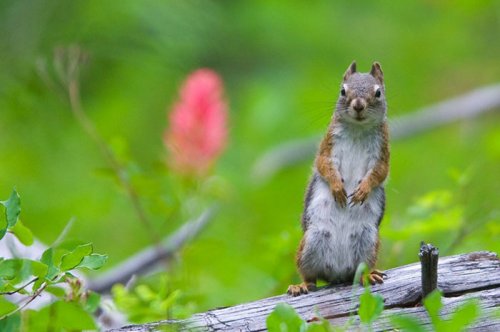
(460, 277)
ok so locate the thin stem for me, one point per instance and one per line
(20, 288)
(89, 128)
(30, 299)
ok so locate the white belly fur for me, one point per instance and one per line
(338, 239)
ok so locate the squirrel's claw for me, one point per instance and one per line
(375, 277)
(303, 288)
(340, 196)
(359, 195)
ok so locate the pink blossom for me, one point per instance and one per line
(197, 131)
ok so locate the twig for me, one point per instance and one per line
(20, 288)
(429, 261)
(144, 261)
(70, 76)
(30, 299)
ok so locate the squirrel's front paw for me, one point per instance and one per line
(340, 195)
(360, 194)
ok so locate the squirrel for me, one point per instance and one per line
(345, 199)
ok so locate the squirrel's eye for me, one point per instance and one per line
(377, 93)
(342, 92)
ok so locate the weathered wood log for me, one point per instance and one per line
(473, 275)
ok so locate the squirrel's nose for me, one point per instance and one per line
(358, 105)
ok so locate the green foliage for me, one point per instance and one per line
(74, 258)
(12, 210)
(148, 302)
(59, 316)
(73, 307)
(463, 316)
(285, 319)
(281, 86)
(370, 306)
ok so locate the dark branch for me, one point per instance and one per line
(20, 288)
(429, 261)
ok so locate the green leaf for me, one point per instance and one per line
(12, 211)
(38, 269)
(56, 291)
(12, 208)
(22, 233)
(6, 307)
(407, 323)
(71, 316)
(93, 301)
(9, 268)
(170, 300)
(370, 306)
(361, 271)
(464, 315)
(37, 320)
(324, 326)
(93, 262)
(11, 323)
(145, 293)
(59, 316)
(284, 319)
(433, 305)
(74, 258)
(48, 259)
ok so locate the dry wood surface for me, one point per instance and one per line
(460, 277)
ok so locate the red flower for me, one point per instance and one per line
(198, 124)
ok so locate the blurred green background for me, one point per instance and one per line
(281, 64)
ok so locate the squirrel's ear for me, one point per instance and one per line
(377, 72)
(351, 70)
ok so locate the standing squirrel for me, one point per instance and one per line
(345, 198)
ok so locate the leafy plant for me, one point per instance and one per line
(285, 319)
(150, 300)
(463, 316)
(51, 275)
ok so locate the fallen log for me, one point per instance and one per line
(460, 277)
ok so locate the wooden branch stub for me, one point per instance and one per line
(429, 261)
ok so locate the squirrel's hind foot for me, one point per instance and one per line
(375, 277)
(303, 288)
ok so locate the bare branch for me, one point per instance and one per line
(147, 259)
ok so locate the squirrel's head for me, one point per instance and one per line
(362, 96)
